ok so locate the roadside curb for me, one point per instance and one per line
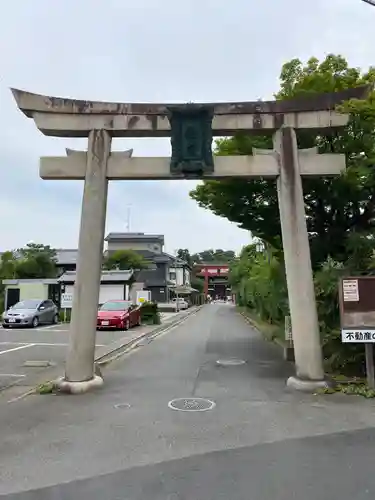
(287, 351)
(115, 352)
(112, 351)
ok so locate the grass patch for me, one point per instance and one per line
(350, 389)
(47, 388)
(270, 331)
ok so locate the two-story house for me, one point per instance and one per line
(179, 272)
(164, 272)
(66, 260)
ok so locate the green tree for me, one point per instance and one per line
(124, 260)
(212, 255)
(34, 261)
(258, 280)
(7, 271)
(8, 264)
(336, 209)
(197, 283)
(184, 254)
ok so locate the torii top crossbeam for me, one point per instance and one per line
(61, 117)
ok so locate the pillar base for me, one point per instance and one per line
(306, 385)
(79, 387)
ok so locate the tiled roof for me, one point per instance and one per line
(113, 276)
(134, 237)
(66, 256)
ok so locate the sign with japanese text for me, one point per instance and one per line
(66, 301)
(357, 309)
(350, 290)
(355, 336)
(357, 317)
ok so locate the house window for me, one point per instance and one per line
(172, 276)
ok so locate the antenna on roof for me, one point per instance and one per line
(128, 218)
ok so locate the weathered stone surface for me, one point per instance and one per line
(29, 103)
(61, 117)
(73, 167)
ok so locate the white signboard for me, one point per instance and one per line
(357, 336)
(143, 296)
(66, 301)
(350, 290)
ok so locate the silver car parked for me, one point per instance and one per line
(31, 312)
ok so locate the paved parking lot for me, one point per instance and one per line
(29, 354)
(41, 347)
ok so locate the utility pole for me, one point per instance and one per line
(175, 269)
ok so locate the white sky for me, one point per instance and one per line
(147, 50)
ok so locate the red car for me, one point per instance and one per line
(118, 314)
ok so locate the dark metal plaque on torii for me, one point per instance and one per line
(191, 140)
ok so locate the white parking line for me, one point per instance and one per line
(47, 327)
(43, 344)
(55, 330)
(16, 348)
(39, 328)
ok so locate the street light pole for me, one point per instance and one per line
(176, 289)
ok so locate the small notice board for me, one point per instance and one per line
(66, 301)
(357, 316)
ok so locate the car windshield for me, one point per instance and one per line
(115, 306)
(27, 304)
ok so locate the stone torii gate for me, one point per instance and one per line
(191, 128)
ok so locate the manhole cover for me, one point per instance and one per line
(230, 362)
(122, 406)
(191, 404)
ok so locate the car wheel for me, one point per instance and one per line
(55, 319)
(127, 324)
(5, 326)
(35, 322)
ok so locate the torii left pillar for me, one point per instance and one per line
(79, 372)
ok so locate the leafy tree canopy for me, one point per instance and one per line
(124, 260)
(211, 255)
(184, 254)
(33, 261)
(336, 209)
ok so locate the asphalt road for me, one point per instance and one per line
(259, 441)
(47, 344)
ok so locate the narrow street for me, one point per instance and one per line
(258, 441)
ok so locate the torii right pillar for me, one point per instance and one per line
(299, 275)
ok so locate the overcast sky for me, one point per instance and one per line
(155, 51)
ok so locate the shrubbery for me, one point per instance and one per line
(64, 315)
(258, 279)
(150, 313)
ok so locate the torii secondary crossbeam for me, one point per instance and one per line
(191, 128)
